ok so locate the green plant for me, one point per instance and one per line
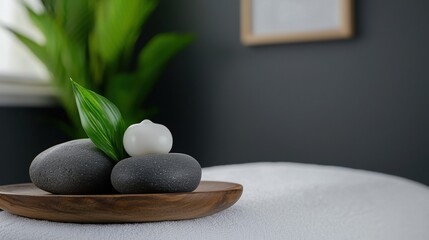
(101, 120)
(93, 41)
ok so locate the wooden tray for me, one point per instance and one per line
(29, 201)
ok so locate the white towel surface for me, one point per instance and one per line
(280, 201)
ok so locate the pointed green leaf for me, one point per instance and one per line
(101, 121)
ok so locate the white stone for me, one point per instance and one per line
(147, 137)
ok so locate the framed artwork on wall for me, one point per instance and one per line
(286, 21)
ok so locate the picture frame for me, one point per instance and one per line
(288, 21)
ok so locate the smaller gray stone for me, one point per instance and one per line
(157, 173)
(74, 167)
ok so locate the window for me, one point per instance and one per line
(23, 78)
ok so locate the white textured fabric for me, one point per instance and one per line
(280, 201)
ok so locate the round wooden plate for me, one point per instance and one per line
(29, 201)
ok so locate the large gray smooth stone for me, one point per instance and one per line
(75, 167)
(157, 173)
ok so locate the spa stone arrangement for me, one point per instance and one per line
(131, 160)
(118, 174)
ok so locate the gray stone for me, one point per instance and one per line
(157, 173)
(75, 167)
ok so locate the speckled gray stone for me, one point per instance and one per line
(157, 173)
(75, 167)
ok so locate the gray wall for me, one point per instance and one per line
(359, 103)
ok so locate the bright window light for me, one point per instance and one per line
(17, 64)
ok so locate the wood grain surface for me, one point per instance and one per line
(29, 201)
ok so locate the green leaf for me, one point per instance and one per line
(58, 74)
(117, 26)
(67, 56)
(155, 56)
(49, 6)
(128, 91)
(101, 121)
(62, 56)
(38, 50)
(93, 42)
(118, 91)
(76, 17)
